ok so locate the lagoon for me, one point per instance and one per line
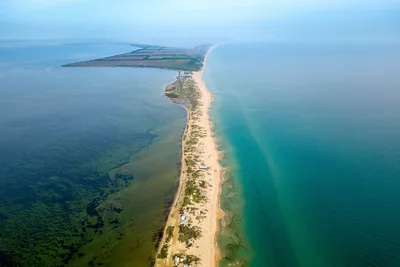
(88, 157)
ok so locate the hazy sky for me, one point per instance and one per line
(125, 19)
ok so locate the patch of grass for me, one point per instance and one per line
(186, 201)
(190, 187)
(170, 233)
(163, 253)
(191, 259)
(188, 232)
(190, 162)
(203, 184)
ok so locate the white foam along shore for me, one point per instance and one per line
(202, 215)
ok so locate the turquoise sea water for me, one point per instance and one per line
(311, 134)
(88, 157)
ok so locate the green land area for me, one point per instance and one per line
(149, 56)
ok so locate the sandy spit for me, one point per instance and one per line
(205, 247)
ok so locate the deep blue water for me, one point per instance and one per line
(312, 133)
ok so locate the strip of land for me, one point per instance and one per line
(150, 56)
(190, 233)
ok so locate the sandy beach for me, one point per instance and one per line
(200, 215)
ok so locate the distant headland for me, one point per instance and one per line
(151, 56)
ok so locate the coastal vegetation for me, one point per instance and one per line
(187, 233)
(163, 252)
(191, 206)
(186, 259)
(185, 93)
(170, 233)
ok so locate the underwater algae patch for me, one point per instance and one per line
(54, 202)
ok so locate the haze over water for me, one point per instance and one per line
(312, 139)
(310, 130)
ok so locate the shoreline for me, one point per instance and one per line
(200, 212)
(220, 213)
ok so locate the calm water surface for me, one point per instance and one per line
(88, 157)
(312, 140)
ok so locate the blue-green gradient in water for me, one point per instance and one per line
(314, 138)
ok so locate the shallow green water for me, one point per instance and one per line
(312, 140)
(88, 158)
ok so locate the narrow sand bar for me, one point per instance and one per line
(200, 215)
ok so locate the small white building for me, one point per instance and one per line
(176, 260)
(204, 167)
